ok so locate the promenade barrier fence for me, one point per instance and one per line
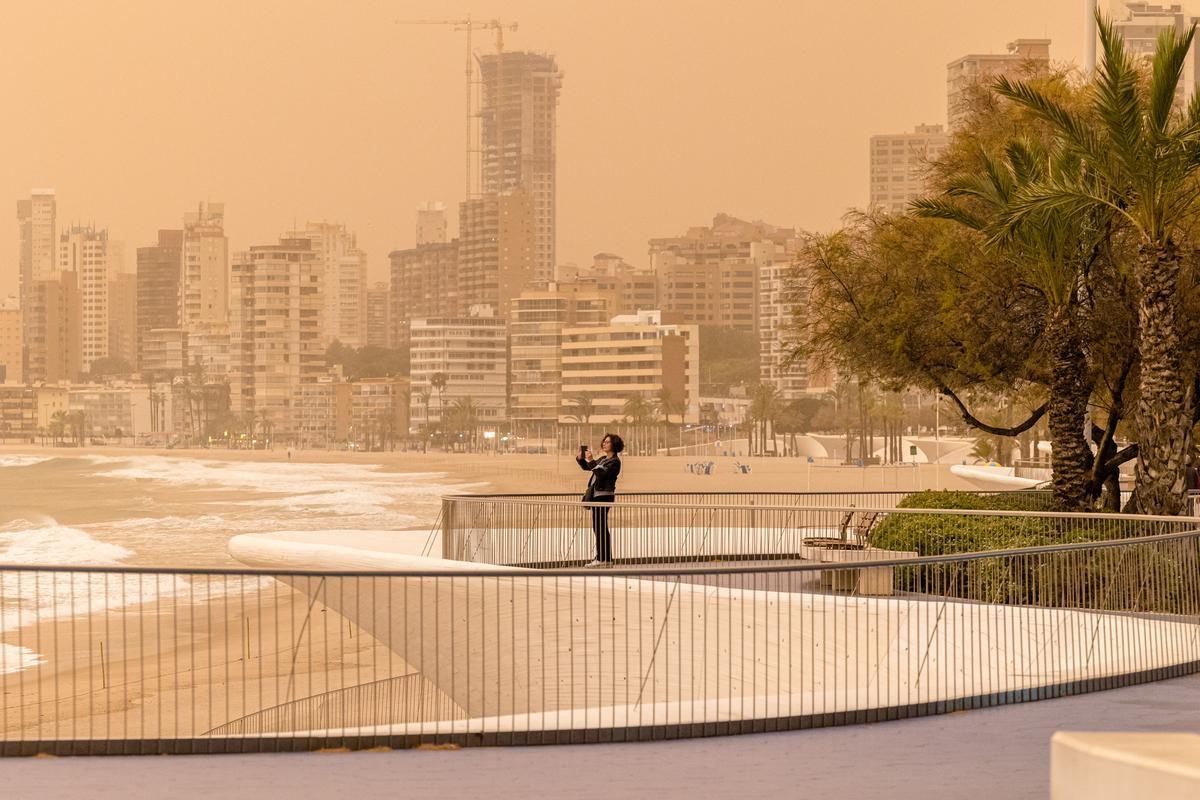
(553, 531)
(149, 660)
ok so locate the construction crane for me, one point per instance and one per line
(470, 26)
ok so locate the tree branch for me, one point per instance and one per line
(974, 422)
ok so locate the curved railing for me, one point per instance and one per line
(547, 531)
(121, 660)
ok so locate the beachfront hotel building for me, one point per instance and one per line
(11, 341)
(536, 325)
(275, 330)
(1024, 58)
(472, 353)
(632, 355)
(518, 140)
(88, 252)
(343, 281)
(900, 166)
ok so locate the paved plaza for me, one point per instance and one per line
(999, 753)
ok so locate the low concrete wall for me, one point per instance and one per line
(1118, 766)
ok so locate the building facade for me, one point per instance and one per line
(159, 274)
(495, 249)
(379, 316)
(638, 355)
(431, 223)
(204, 289)
(12, 338)
(518, 141)
(275, 344)
(471, 354)
(424, 283)
(343, 282)
(1025, 58)
(900, 166)
(87, 252)
(54, 340)
(536, 325)
(122, 317)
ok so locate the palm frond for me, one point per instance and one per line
(947, 209)
(1170, 54)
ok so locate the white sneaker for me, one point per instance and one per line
(594, 563)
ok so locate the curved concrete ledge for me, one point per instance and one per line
(1117, 766)
(993, 478)
(537, 652)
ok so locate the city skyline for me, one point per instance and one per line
(635, 142)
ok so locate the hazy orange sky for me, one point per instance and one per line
(290, 110)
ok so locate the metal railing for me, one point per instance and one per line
(139, 660)
(516, 531)
(1025, 499)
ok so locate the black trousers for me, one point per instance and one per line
(600, 528)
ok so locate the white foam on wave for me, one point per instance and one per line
(29, 597)
(343, 490)
(21, 461)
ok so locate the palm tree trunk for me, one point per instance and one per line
(1164, 398)
(1069, 393)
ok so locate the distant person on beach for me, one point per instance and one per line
(601, 488)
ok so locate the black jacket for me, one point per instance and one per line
(603, 482)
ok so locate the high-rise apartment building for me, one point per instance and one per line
(431, 223)
(54, 317)
(777, 307)
(496, 245)
(275, 331)
(379, 315)
(122, 317)
(159, 272)
(518, 118)
(1140, 25)
(204, 298)
(634, 289)
(88, 253)
(900, 165)
(1025, 58)
(12, 352)
(424, 283)
(471, 352)
(536, 324)
(636, 355)
(709, 277)
(38, 247)
(37, 255)
(343, 282)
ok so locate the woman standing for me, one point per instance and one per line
(601, 488)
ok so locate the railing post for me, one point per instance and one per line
(448, 528)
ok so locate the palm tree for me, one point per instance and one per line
(764, 409)
(638, 412)
(438, 381)
(1137, 162)
(59, 422)
(584, 408)
(464, 418)
(1054, 250)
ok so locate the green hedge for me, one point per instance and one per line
(942, 534)
(1163, 577)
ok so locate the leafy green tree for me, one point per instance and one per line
(728, 358)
